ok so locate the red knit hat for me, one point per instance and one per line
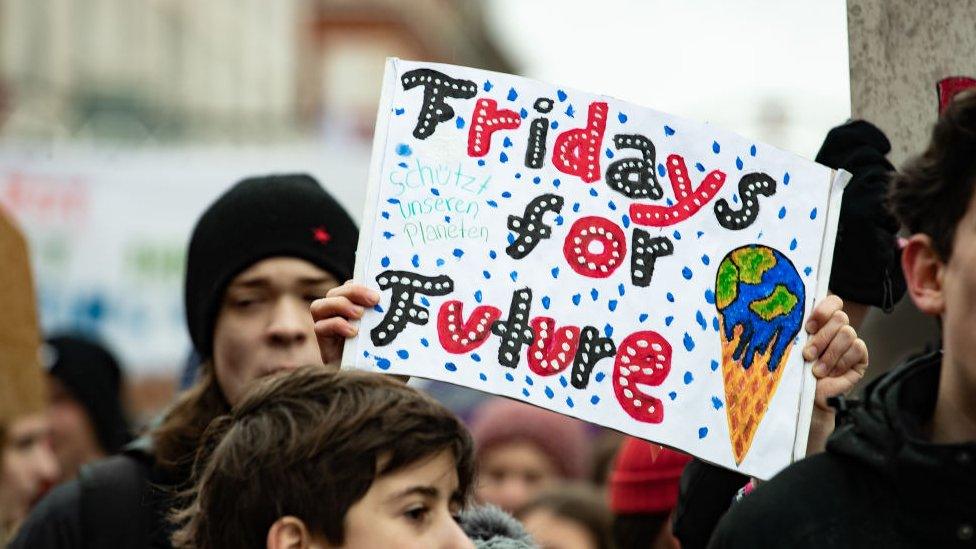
(640, 483)
(563, 439)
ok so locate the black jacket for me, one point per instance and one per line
(879, 484)
(120, 502)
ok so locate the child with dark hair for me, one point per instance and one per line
(318, 459)
(572, 516)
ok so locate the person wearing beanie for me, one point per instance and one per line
(257, 258)
(569, 516)
(85, 408)
(643, 493)
(521, 449)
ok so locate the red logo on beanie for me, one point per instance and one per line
(321, 235)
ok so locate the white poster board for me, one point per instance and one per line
(606, 261)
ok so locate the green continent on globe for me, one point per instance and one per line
(726, 283)
(753, 262)
(780, 302)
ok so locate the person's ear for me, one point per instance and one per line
(289, 533)
(924, 271)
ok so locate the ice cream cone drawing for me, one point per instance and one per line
(760, 300)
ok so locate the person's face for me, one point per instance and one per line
(958, 311)
(512, 473)
(73, 437)
(410, 508)
(264, 324)
(27, 467)
(551, 531)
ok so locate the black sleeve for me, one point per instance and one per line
(706, 492)
(55, 522)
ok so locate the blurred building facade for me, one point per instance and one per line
(237, 71)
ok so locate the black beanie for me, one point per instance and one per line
(91, 375)
(259, 218)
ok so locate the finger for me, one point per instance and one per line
(830, 358)
(823, 312)
(335, 327)
(856, 355)
(823, 336)
(830, 387)
(357, 293)
(329, 307)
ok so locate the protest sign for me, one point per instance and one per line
(606, 261)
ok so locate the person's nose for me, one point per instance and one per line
(453, 537)
(512, 495)
(290, 323)
(46, 468)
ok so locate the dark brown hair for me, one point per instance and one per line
(309, 444)
(578, 503)
(934, 190)
(176, 439)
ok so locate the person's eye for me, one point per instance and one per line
(417, 514)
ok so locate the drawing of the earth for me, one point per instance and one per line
(759, 291)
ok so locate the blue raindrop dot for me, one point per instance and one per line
(699, 167)
(735, 198)
(481, 162)
(476, 357)
(593, 192)
(807, 270)
(518, 175)
(700, 234)
(813, 213)
(668, 320)
(716, 147)
(782, 212)
(558, 220)
(549, 392)
(402, 353)
(536, 180)
(554, 124)
(689, 342)
(599, 377)
(594, 399)
(688, 378)
(700, 318)
(404, 150)
(705, 259)
(561, 95)
(511, 238)
(545, 302)
(668, 130)
(786, 178)
(424, 301)
(642, 317)
(488, 85)
(503, 157)
(477, 296)
(576, 206)
(556, 183)
(677, 235)
(792, 244)
(377, 308)
(702, 432)
(611, 205)
(393, 200)
(626, 220)
(513, 275)
(493, 204)
(459, 122)
(570, 111)
(399, 111)
(555, 272)
(609, 153)
(569, 402)
(509, 376)
(660, 170)
(386, 215)
(716, 402)
(594, 294)
(458, 252)
(483, 377)
(612, 305)
(752, 150)
(424, 342)
(738, 162)
(715, 323)
(525, 392)
(714, 365)
(622, 118)
(670, 297)
(563, 382)
(447, 219)
(576, 299)
(608, 330)
(529, 381)
(512, 94)
(382, 363)
(621, 289)
(366, 354)
(672, 395)
(710, 296)
(506, 142)
(385, 261)
(450, 367)
(440, 262)
(402, 164)
(492, 254)
(686, 272)
(523, 113)
(506, 194)
(415, 261)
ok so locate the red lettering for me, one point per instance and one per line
(577, 151)
(486, 120)
(645, 358)
(688, 202)
(459, 337)
(595, 246)
(553, 349)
